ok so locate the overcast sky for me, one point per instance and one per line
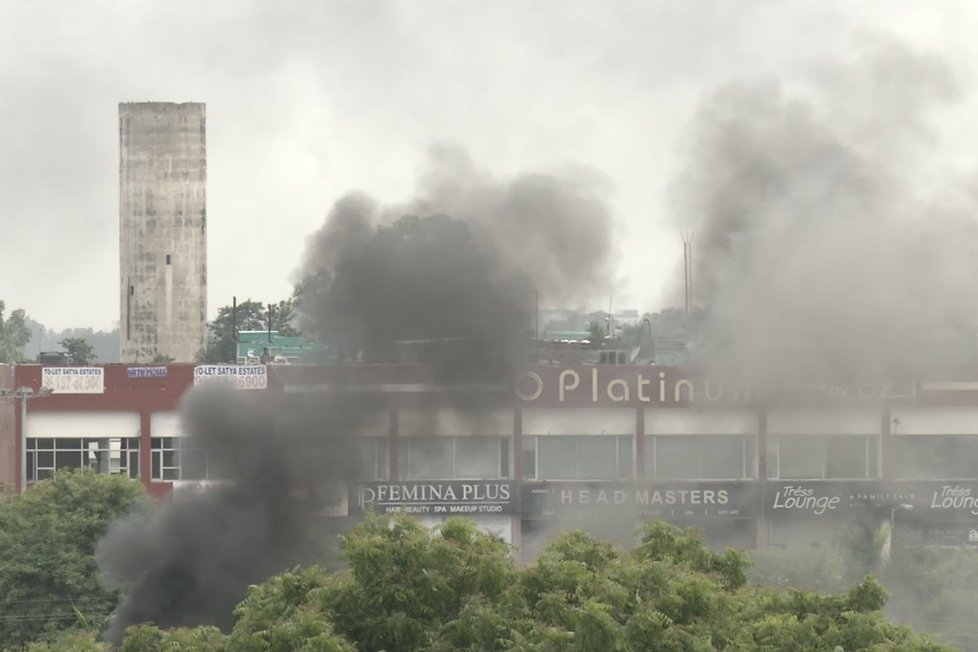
(308, 100)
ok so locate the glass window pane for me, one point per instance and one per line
(66, 443)
(476, 457)
(366, 451)
(45, 444)
(846, 457)
(649, 456)
(429, 458)
(802, 456)
(597, 457)
(557, 457)
(156, 459)
(934, 457)
(626, 469)
(529, 458)
(676, 457)
(67, 460)
(45, 459)
(721, 457)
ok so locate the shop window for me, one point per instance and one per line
(933, 457)
(178, 458)
(371, 458)
(699, 457)
(817, 457)
(109, 455)
(578, 457)
(446, 458)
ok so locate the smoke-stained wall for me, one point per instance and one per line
(162, 230)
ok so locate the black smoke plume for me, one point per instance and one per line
(283, 460)
(445, 280)
(465, 261)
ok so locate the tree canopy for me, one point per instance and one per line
(79, 350)
(248, 316)
(48, 573)
(14, 335)
(410, 589)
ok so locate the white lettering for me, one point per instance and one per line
(564, 386)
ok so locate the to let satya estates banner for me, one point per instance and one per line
(435, 497)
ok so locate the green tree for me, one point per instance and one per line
(79, 350)
(409, 589)
(595, 332)
(249, 316)
(48, 573)
(14, 335)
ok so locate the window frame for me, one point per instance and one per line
(501, 450)
(128, 455)
(534, 450)
(747, 461)
(871, 455)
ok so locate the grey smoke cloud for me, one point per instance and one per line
(826, 242)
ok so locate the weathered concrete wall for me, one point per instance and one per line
(162, 230)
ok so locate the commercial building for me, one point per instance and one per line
(162, 230)
(602, 447)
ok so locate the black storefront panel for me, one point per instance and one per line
(462, 498)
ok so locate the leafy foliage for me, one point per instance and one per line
(48, 574)
(249, 316)
(79, 350)
(412, 589)
(14, 335)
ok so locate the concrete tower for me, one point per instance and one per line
(162, 230)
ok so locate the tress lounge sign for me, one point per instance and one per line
(438, 497)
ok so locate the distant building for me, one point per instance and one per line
(269, 347)
(162, 230)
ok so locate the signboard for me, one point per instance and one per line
(827, 498)
(252, 376)
(146, 372)
(930, 499)
(435, 497)
(624, 385)
(662, 499)
(73, 380)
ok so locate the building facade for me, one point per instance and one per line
(602, 448)
(162, 230)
